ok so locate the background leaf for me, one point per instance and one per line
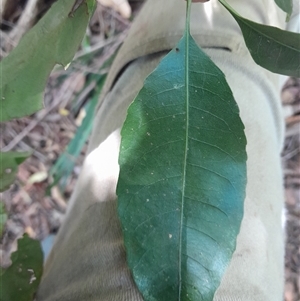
(286, 6)
(272, 48)
(21, 279)
(3, 218)
(54, 40)
(182, 178)
(9, 162)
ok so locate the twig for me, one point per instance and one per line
(83, 95)
(292, 131)
(291, 154)
(39, 118)
(26, 20)
(97, 65)
(37, 154)
(292, 119)
(2, 9)
(293, 173)
(117, 16)
(97, 46)
(5, 40)
(8, 23)
(26, 147)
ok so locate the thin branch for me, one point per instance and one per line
(62, 95)
(26, 21)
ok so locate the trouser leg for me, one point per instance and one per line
(88, 259)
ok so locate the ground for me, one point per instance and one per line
(37, 208)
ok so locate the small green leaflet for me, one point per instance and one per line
(286, 6)
(9, 162)
(19, 282)
(182, 178)
(272, 48)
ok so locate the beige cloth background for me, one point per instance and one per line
(88, 259)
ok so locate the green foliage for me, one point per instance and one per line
(9, 162)
(182, 178)
(54, 40)
(183, 160)
(19, 282)
(272, 48)
(286, 6)
(3, 218)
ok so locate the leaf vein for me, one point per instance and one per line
(208, 204)
(212, 171)
(214, 146)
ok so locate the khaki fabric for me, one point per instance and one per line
(88, 260)
(160, 26)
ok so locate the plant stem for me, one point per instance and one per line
(188, 16)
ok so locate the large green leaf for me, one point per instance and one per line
(286, 6)
(272, 48)
(182, 178)
(19, 282)
(54, 40)
(9, 162)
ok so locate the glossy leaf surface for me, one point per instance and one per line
(54, 40)
(9, 162)
(20, 280)
(182, 178)
(272, 48)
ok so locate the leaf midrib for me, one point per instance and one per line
(187, 37)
